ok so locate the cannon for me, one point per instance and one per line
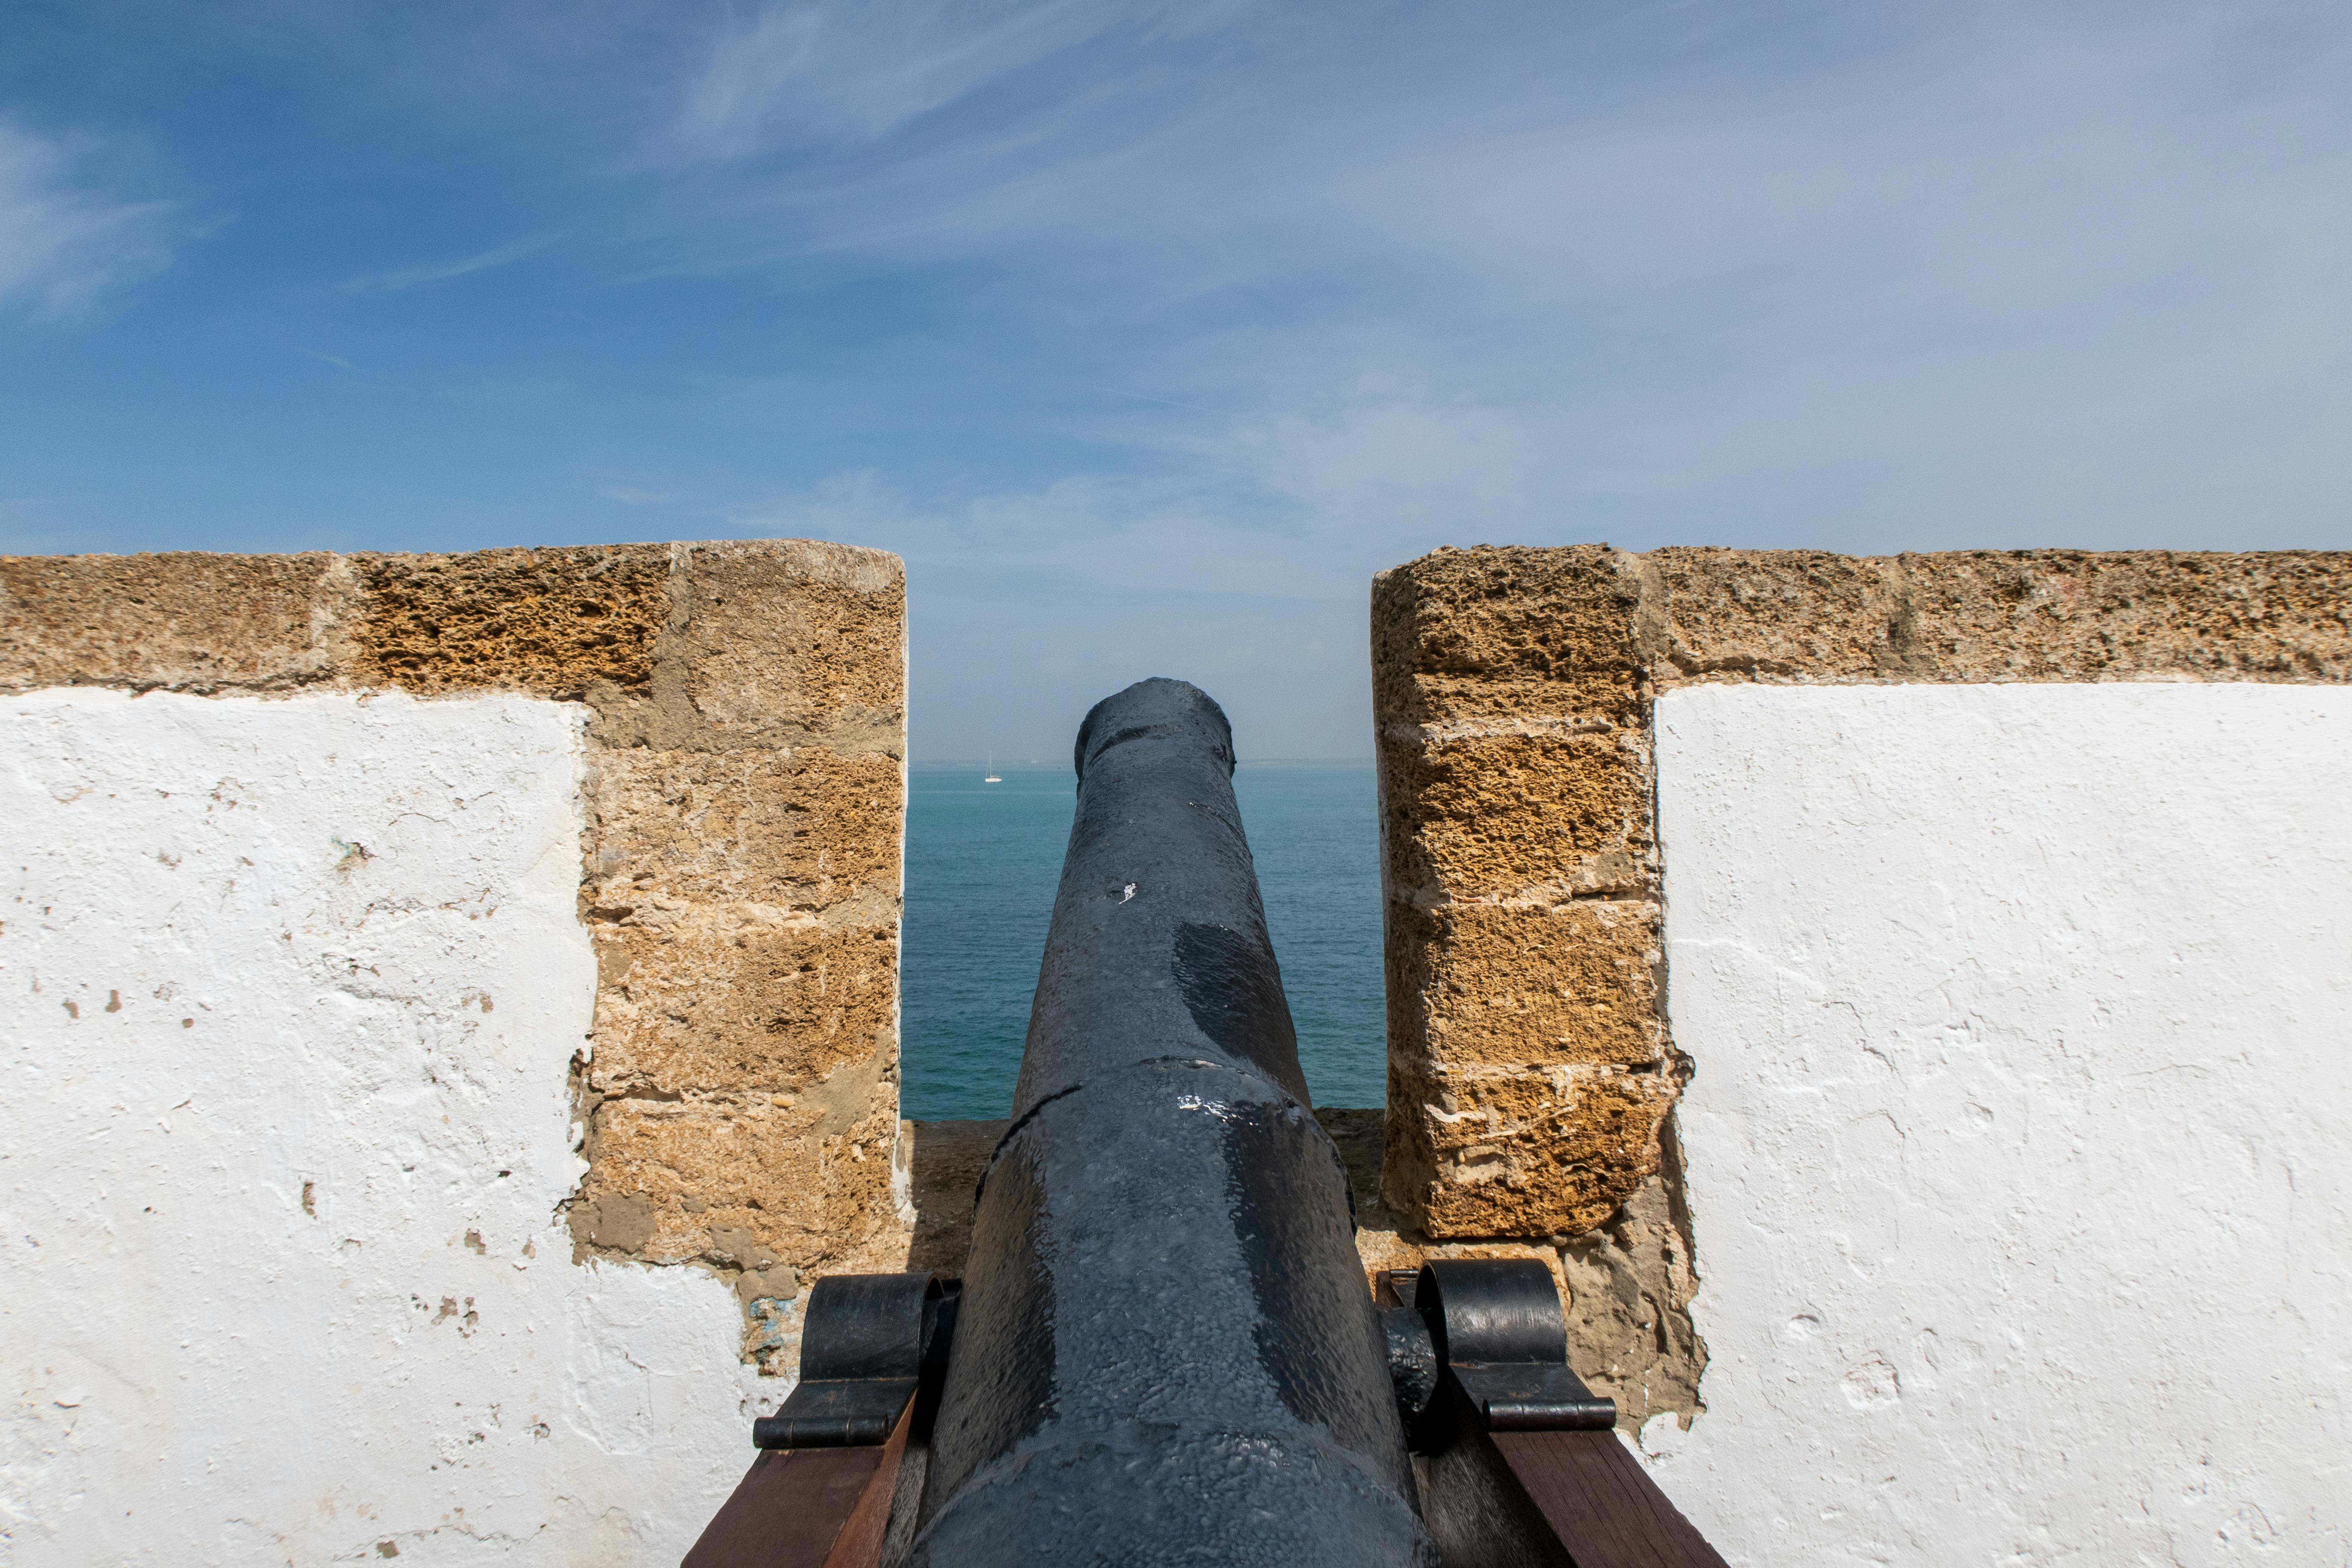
(1164, 1349)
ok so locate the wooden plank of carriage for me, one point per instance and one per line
(808, 1508)
(1601, 1502)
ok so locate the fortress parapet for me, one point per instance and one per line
(1164, 1349)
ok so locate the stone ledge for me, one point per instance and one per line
(1980, 615)
(179, 622)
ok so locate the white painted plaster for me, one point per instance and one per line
(252, 950)
(2019, 1151)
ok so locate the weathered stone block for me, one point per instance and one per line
(719, 1002)
(796, 638)
(1502, 615)
(797, 828)
(1507, 1153)
(549, 621)
(1560, 985)
(1514, 748)
(181, 621)
(2127, 615)
(1802, 615)
(721, 1181)
(1505, 815)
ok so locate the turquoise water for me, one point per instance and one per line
(983, 861)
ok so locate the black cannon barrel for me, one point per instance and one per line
(1166, 1350)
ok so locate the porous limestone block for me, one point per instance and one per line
(791, 829)
(1801, 613)
(1542, 985)
(181, 620)
(706, 1006)
(553, 621)
(1512, 815)
(795, 639)
(1520, 1150)
(1528, 1079)
(742, 887)
(1806, 617)
(671, 1174)
(1508, 616)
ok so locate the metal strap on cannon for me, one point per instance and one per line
(1497, 1334)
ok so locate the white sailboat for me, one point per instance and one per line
(991, 777)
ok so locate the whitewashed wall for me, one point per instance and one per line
(289, 991)
(2020, 1150)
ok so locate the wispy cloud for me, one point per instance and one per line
(65, 241)
(397, 279)
(1998, 273)
(338, 360)
(1294, 508)
(1153, 330)
(793, 74)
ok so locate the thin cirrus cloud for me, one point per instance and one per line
(2046, 283)
(796, 75)
(398, 280)
(2008, 276)
(1148, 333)
(66, 243)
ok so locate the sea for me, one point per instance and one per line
(983, 861)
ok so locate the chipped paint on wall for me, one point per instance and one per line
(289, 1274)
(745, 708)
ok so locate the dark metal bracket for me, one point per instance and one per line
(834, 1459)
(1484, 1340)
(870, 1343)
(1519, 1465)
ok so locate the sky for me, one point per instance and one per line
(1147, 334)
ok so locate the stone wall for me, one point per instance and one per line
(1532, 1070)
(703, 746)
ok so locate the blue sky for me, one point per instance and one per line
(1147, 334)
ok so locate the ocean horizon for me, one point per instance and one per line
(983, 862)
